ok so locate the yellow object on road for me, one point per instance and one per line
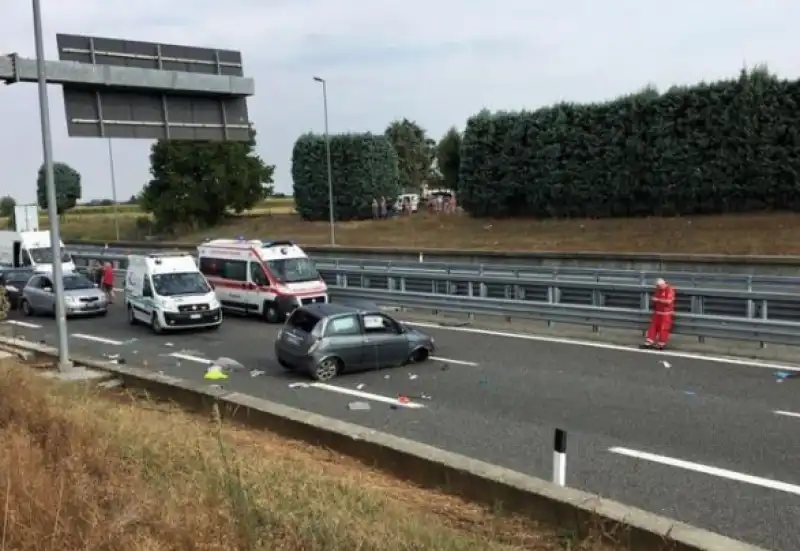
(215, 373)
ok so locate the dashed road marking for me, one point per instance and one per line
(786, 413)
(709, 470)
(190, 358)
(365, 395)
(95, 338)
(452, 361)
(23, 324)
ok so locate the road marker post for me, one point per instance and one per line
(560, 458)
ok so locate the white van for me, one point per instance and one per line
(31, 249)
(267, 278)
(167, 291)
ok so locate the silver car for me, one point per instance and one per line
(81, 296)
(324, 340)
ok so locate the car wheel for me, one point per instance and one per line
(271, 313)
(26, 308)
(131, 316)
(326, 370)
(155, 325)
(420, 355)
(286, 366)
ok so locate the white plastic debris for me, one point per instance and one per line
(298, 385)
(412, 377)
(360, 386)
(256, 372)
(666, 364)
(228, 364)
(358, 406)
(168, 344)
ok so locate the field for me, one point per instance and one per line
(766, 233)
(88, 471)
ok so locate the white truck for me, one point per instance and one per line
(31, 249)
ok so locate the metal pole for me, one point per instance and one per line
(52, 207)
(328, 155)
(113, 187)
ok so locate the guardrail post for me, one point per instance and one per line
(402, 284)
(645, 298)
(483, 291)
(697, 308)
(765, 317)
(390, 283)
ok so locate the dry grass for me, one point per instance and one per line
(88, 471)
(772, 233)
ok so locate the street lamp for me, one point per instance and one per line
(113, 186)
(328, 154)
(52, 208)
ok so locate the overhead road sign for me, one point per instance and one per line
(130, 89)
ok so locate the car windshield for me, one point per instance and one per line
(74, 282)
(181, 283)
(293, 270)
(44, 255)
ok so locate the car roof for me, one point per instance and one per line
(327, 309)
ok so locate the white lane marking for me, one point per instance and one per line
(190, 358)
(786, 413)
(96, 339)
(452, 361)
(365, 395)
(24, 324)
(709, 470)
(618, 347)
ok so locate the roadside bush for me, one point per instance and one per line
(363, 166)
(729, 146)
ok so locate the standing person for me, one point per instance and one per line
(663, 316)
(375, 211)
(108, 281)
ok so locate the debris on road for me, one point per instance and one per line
(385, 376)
(298, 385)
(256, 372)
(360, 386)
(454, 323)
(168, 344)
(358, 406)
(110, 384)
(690, 392)
(215, 373)
(228, 364)
(781, 376)
(666, 364)
(402, 399)
(411, 376)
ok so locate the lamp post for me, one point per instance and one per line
(328, 155)
(52, 208)
(113, 186)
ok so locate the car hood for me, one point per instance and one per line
(84, 293)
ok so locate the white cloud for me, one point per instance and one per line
(437, 62)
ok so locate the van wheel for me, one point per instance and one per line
(132, 316)
(26, 307)
(271, 313)
(155, 325)
(326, 370)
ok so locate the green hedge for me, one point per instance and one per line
(363, 166)
(730, 146)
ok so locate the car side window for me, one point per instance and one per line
(343, 326)
(379, 324)
(257, 275)
(45, 282)
(34, 282)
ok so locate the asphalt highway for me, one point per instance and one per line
(711, 443)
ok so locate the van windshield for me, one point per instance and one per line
(181, 283)
(293, 270)
(44, 255)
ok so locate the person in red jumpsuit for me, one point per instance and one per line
(663, 316)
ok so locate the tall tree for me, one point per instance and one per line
(67, 181)
(448, 157)
(415, 152)
(7, 205)
(197, 184)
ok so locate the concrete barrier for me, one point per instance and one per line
(564, 508)
(707, 263)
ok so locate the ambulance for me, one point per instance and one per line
(166, 291)
(266, 278)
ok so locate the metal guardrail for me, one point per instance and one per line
(776, 284)
(763, 316)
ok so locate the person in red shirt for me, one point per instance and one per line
(663, 316)
(108, 281)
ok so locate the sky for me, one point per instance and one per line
(433, 61)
